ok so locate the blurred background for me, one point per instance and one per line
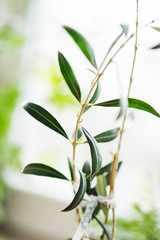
(31, 33)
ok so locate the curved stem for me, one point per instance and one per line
(103, 234)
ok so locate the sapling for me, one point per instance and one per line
(90, 198)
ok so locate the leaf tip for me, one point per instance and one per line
(125, 28)
(24, 104)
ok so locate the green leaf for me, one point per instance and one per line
(124, 31)
(83, 44)
(92, 71)
(109, 174)
(44, 117)
(156, 46)
(95, 154)
(43, 170)
(104, 227)
(101, 190)
(124, 28)
(105, 169)
(156, 28)
(69, 76)
(132, 103)
(123, 107)
(107, 136)
(86, 169)
(94, 97)
(79, 195)
(79, 133)
(70, 168)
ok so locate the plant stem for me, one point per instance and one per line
(103, 234)
(113, 223)
(98, 76)
(130, 83)
(114, 166)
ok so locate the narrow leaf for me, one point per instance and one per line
(70, 168)
(156, 28)
(123, 107)
(83, 44)
(107, 168)
(79, 134)
(107, 136)
(156, 46)
(132, 103)
(94, 97)
(104, 227)
(69, 76)
(101, 185)
(124, 31)
(43, 170)
(101, 190)
(95, 154)
(86, 169)
(44, 117)
(124, 28)
(91, 71)
(79, 195)
(108, 176)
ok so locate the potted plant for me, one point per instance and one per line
(96, 180)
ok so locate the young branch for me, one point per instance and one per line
(113, 223)
(97, 78)
(114, 165)
(131, 79)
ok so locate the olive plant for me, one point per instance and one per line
(90, 198)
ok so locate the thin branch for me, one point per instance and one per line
(97, 78)
(114, 167)
(103, 233)
(131, 79)
(113, 223)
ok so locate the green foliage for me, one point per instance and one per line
(43, 170)
(158, 45)
(44, 117)
(101, 188)
(95, 180)
(107, 136)
(70, 169)
(10, 39)
(79, 195)
(132, 103)
(95, 153)
(94, 97)
(69, 76)
(9, 154)
(83, 44)
(8, 96)
(145, 226)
